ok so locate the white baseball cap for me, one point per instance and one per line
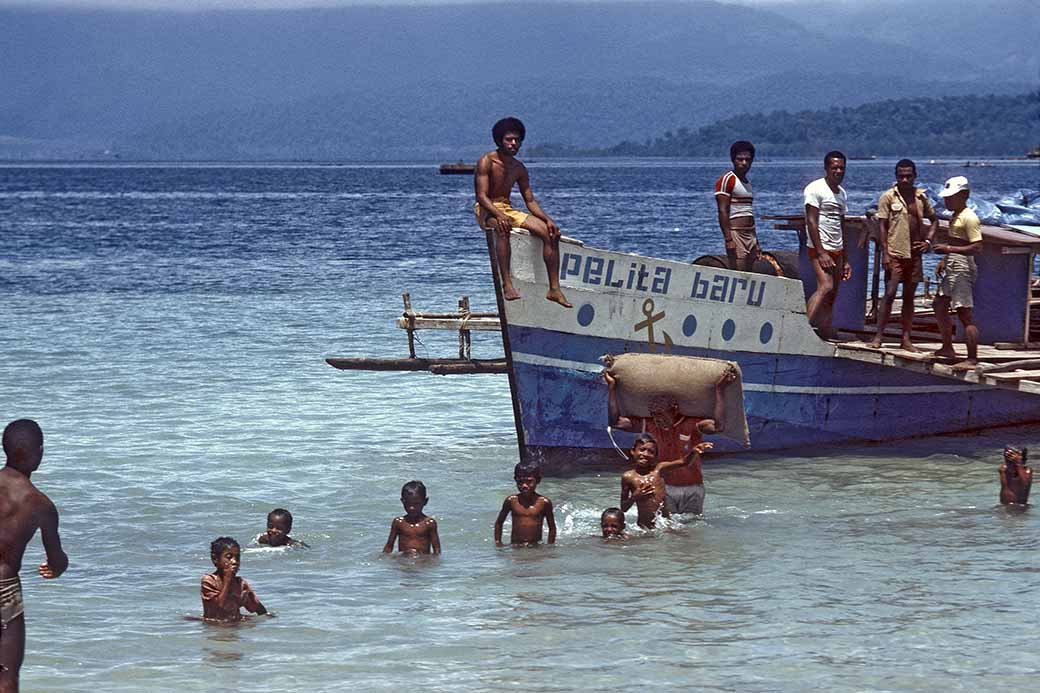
(954, 186)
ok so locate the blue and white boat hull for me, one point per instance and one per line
(798, 389)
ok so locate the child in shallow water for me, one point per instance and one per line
(279, 524)
(414, 532)
(224, 594)
(644, 486)
(528, 509)
(1016, 478)
(612, 522)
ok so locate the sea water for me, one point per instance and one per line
(167, 324)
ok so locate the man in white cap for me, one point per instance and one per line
(958, 272)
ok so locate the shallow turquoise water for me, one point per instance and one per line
(166, 326)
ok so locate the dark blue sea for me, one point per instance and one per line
(167, 325)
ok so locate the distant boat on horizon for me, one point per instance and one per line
(460, 168)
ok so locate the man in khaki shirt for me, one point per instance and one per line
(900, 211)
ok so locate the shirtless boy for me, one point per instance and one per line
(495, 176)
(1015, 477)
(677, 436)
(414, 532)
(644, 485)
(279, 524)
(23, 510)
(528, 510)
(223, 592)
(612, 522)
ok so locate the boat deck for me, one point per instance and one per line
(999, 365)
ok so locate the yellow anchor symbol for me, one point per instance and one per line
(648, 325)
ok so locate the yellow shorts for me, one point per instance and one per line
(485, 218)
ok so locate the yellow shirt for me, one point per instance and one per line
(892, 207)
(965, 226)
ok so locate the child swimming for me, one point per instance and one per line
(279, 524)
(414, 532)
(527, 508)
(223, 592)
(1016, 478)
(612, 522)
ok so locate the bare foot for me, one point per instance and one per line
(965, 365)
(875, 343)
(944, 354)
(557, 296)
(905, 345)
(510, 294)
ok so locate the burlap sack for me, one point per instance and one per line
(691, 381)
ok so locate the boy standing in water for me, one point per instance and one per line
(223, 592)
(528, 510)
(644, 485)
(1015, 477)
(279, 524)
(23, 510)
(676, 436)
(414, 532)
(493, 181)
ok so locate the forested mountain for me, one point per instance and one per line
(426, 81)
(953, 125)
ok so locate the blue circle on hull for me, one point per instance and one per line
(689, 325)
(766, 333)
(729, 328)
(585, 315)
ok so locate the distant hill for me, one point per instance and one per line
(961, 125)
(427, 81)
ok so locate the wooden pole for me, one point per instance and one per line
(464, 337)
(409, 316)
(438, 366)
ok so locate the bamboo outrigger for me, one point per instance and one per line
(462, 320)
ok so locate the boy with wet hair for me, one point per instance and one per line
(414, 532)
(644, 485)
(733, 198)
(612, 522)
(23, 510)
(1015, 477)
(527, 508)
(279, 524)
(676, 436)
(223, 592)
(493, 182)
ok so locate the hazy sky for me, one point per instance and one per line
(275, 4)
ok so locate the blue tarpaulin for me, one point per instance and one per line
(1020, 208)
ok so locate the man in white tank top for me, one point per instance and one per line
(736, 216)
(825, 207)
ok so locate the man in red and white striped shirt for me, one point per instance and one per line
(736, 216)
